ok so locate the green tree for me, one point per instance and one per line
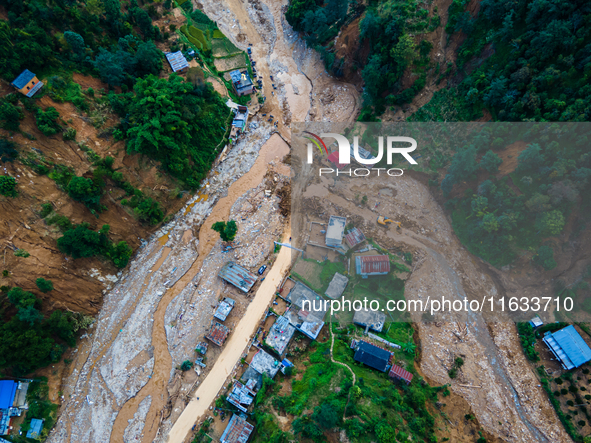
(490, 162)
(552, 222)
(10, 116)
(82, 242)
(8, 186)
(8, 153)
(326, 415)
(385, 433)
(227, 231)
(149, 211)
(44, 285)
(47, 121)
(530, 158)
(113, 12)
(144, 21)
(120, 254)
(490, 223)
(545, 257)
(76, 43)
(86, 191)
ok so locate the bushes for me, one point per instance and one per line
(8, 186)
(528, 341)
(47, 121)
(86, 191)
(80, 241)
(545, 257)
(8, 153)
(10, 116)
(69, 134)
(227, 231)
(44, 285)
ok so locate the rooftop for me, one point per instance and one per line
(224, 308)
(238, 276)
(23, 79)
(252, 379)
(241, 80)
(335, 230)
(177, 61)
(20, 399)
(237, 431)
(280, 335)
(374, 319)
(372, 264)
(299, 319)
(35, 429)
(263, 362)
(299, 293)
(218, 333)
(240, 396)
(354, 237)
(569, 347)
(372, 356)
(398, 372)
(337, 286)
(7, 393)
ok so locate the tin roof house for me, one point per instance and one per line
(568, 347)
(237, 431)
(178, 62)
(238, 276)
(372, 356)
(368, 265)
(27, 83)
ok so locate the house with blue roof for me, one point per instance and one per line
(27, 83)
(568, 347)
(7, 393)
(35, 428)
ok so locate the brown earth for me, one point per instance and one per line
(22, 227)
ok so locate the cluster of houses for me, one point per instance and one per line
(13, 402)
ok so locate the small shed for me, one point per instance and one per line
(218, 333)
(238, 276)
(337, 286)
(397, 373)
(224, 308)
(27, 83)
(369, 265)
(354, 237)
(536, 322)
(237, 431)
(177, 62)
(35, 428)
(568, 347)
(335, 231)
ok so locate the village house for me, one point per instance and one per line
(241, 82)
(178, 62)
(27, 83)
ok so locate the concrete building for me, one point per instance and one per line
(239, 121)
(224, 308)
(368, 265)
(237, 431)
(238, 276)
(252, 379)
(178, 62)
(218, 333)
(369, 319)
(337, 286)
(354, 237)
(241, 82)
(241, 396)
(306, 312)
(335, 231)
(280, 335)
(568, 347)
(264, 363)
(27, 83)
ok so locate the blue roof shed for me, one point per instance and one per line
(569, 347)
(35, 429)
(7, 393)
(23, 79)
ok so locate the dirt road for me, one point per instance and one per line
(207, 392)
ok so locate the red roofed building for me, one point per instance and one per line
(334, 158)
(367, 265)
(354, 237)
(400, 374)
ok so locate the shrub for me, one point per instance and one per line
(227, 231)
(46, 209)
(459, 362)
(186, 365)
(21, 253)
(44, 285)
(8, 186)
(558, 381)
(8, 153)
(453, 372)
(47, 121)
(545, 257)
(69, 134)
(564, 391)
